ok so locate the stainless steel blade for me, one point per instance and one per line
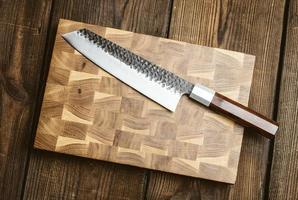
(158, 84)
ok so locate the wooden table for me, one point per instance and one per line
(267, 29)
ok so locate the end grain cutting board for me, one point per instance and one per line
(87, 112)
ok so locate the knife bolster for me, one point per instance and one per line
(202, 94)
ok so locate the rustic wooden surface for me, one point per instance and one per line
(284, 170)
(87, 112)
(23, 30)
(255, 27)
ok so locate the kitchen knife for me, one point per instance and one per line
(160, 85)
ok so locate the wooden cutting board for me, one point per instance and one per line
(87, 112)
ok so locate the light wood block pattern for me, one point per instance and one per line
(87, 112)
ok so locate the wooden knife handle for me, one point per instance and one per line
(235, 111)
(244, 115)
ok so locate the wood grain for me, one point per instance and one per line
(249, 26)
(253, 27)
(53, 176)
(284, 171)
(132, 129)
(23, 26)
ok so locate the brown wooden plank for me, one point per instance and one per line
(55, 176)
(23, 26)
(284, 171)
(253, 27)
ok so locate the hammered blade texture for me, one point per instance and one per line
(154, 72)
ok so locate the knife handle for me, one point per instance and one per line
(235, 111)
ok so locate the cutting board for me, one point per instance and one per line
(87, 112)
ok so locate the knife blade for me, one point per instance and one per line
(159, 84)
